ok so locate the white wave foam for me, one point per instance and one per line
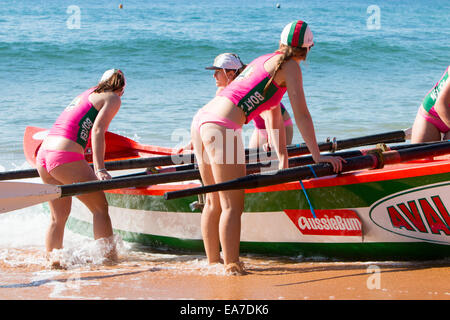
(24, 228)
(89, 252)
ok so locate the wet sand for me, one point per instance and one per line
(188, 277)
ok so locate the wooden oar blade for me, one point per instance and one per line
(18, 195)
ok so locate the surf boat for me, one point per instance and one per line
(399, 210)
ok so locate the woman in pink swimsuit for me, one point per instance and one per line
(217, 142)
(433, 118)
(260, 136)
(60, 159)
(227, 66)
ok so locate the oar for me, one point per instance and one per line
(17, 195)
(372, 160)
(293, 161)
(386, 137)
(293, 150)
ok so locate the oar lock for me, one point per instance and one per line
(333, 143)
(378, 153)
(198, 205)
(151, 170)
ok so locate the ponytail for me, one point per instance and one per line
(113, 83)
(287, 53)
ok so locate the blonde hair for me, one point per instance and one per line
(287, 52)
(113, 83)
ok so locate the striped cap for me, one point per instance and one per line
(297, 34)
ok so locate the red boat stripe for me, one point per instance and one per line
(400, 171)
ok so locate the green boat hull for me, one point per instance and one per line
(315, 251)
(281, 235)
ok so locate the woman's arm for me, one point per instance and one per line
(288, 128)
(303, 119)
(276, 134)
(106, 114)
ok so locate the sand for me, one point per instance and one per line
(144, 276)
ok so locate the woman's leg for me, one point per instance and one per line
(289, 134)
(227, 162)
(424, 131)
(253, 140)
(80, 171)
(211, 211)
(59, 210)
(257, 139)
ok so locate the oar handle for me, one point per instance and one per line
(305, 160)
(118, 183)
(293, 161)
(141, 180)
(293, 150)
(319, 170)
(276, 177)
(387, 137)
(265, 166)
(19, 174)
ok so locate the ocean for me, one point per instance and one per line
(372, 64)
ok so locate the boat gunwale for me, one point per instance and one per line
(417, 168)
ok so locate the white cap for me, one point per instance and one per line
(108, 74)
(227, 60)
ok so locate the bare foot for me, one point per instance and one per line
(111, 256)
(109, 249)
(235, 268)
(54, 263)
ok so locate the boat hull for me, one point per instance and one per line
(385, 219)
(397, 212)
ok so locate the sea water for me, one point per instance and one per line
(370, 67)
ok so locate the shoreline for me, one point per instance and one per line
(181, 278)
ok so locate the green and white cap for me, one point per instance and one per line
(230, 61)
(297, 34)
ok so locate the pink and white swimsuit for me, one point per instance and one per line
(74, 123)
(260, 124)
(246, 91)
(427, 110)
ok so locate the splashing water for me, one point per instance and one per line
(90, 252)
